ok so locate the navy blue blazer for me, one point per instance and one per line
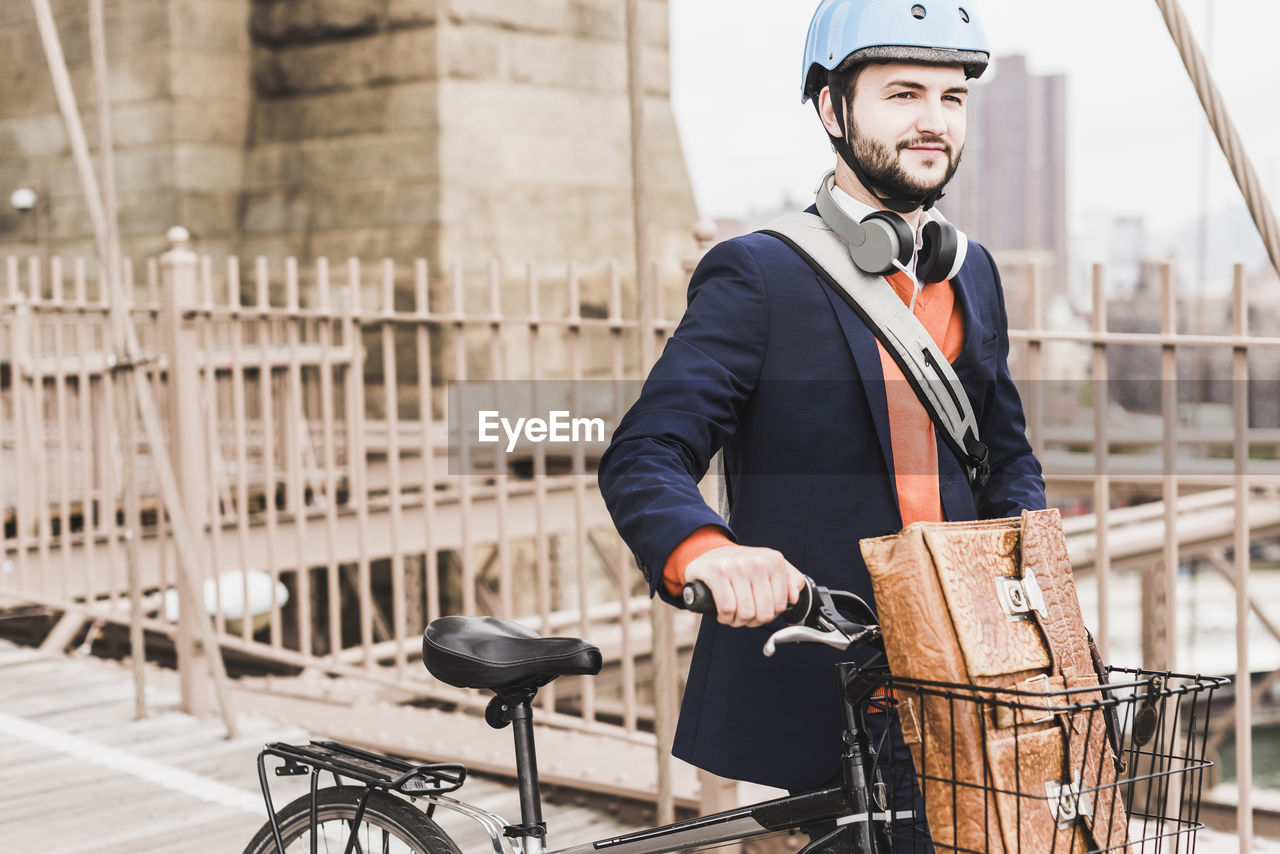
(770, 365)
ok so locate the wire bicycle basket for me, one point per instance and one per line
(1113, 767)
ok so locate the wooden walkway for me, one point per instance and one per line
(79, 775)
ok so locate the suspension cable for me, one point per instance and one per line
(1211, 99)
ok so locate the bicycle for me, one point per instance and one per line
(514, 662)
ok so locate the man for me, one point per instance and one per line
(824, 442)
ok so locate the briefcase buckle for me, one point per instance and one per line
(1019, 597)
(1067, 801)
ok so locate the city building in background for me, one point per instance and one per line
(1010, 190)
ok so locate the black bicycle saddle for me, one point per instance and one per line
(502, 656)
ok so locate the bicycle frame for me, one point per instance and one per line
(783, 814)
(847, 806)
(762, 819)
(1149, 791)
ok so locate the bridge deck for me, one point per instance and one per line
(78, 773)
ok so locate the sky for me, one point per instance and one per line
(1136, 128)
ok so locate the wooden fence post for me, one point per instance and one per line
(25, 438)
(187, 448)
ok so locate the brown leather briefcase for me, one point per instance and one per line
(1012, 750)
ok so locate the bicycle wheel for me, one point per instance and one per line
(388, 826)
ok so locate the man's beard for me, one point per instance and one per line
(884, 168)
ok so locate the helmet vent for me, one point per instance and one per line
(964, 16)
(918, 11)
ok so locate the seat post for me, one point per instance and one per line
(527, 777)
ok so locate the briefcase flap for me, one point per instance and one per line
(955, 602)
(990, 599)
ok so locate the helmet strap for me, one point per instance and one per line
(843, 147)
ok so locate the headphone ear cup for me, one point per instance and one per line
(888, 238)
(937, 258)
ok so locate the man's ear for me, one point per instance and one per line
(826, 111)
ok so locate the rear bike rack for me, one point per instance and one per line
(373, 770)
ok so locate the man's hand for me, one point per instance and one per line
(751, 586)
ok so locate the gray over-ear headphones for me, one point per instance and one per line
(883, 237)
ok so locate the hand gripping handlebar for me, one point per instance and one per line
(834, 618)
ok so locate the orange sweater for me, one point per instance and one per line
(911, 436)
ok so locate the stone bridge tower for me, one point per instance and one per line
(444, 129)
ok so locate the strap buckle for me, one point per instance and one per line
(979, 462)
(1043, 678)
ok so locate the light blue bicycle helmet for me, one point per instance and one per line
(845, 32)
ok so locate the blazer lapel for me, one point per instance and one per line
(955, 492)
(866, 355)
(975, 331)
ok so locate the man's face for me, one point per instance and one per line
(908, 125)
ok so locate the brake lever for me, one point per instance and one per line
(800, 634)
(829, 635)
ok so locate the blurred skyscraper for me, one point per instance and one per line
(1010, 191)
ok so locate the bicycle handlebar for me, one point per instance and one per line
(697, 598)
(818, 616)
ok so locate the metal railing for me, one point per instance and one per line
(1184, 526)
(334, 522)
(339, 509)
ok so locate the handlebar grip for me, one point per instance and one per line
(697, 598)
